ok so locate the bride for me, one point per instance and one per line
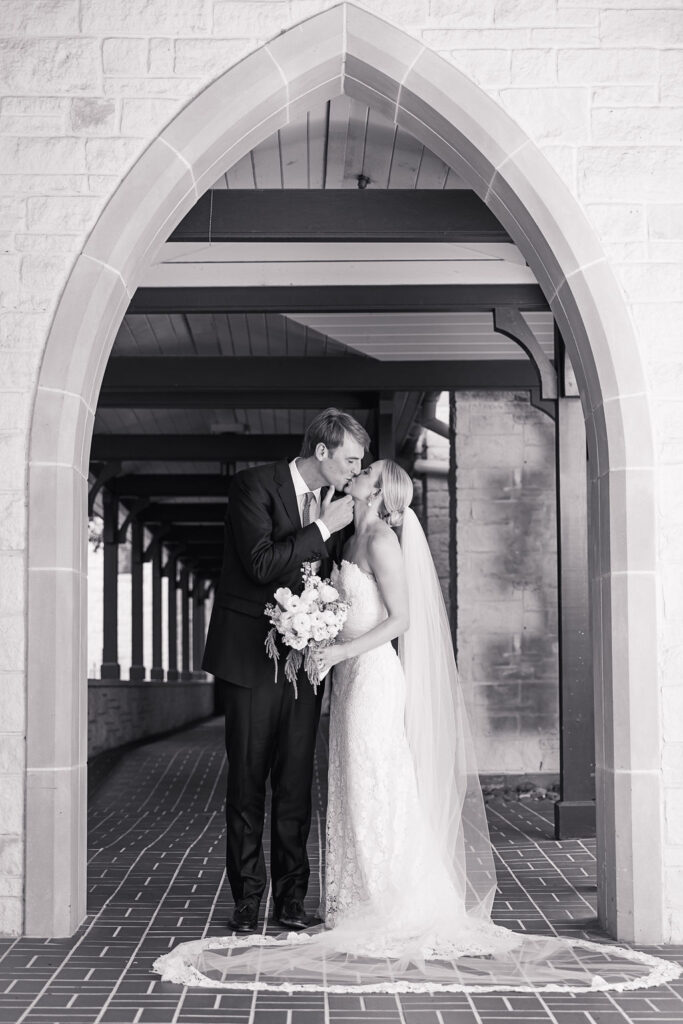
(409, 873)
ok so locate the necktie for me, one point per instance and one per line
(306, 517)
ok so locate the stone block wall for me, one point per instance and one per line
(437, 508)
(506, 542)
(120, 712)
(507, 579)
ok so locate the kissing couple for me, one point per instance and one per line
(409, 876)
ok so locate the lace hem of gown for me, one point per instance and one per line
(179, 966)
(400, 922)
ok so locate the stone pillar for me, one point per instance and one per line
(198, 627)
(110, 614)
(171, 571)
(185, 673)
(157, 670)
(137, 668)
(575, 811)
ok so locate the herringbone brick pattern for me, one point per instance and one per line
(156, 878)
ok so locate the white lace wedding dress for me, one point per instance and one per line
(381, 861)
(398, 916)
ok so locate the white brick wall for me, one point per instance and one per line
(87, 84)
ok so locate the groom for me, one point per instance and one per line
(279, 516)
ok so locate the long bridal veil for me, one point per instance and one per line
(455, 946)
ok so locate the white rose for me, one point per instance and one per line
(319, 632)
(282, 596)
(301, 622)
(329, 617)
(293, 603)
(328, 593)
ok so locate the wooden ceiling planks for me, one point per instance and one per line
(226, 334)
(334, 144)
(378, 151)
(405, 161)
(393, 336)
(433, 173)
(204, 332)
(294, 157)
(379, 335)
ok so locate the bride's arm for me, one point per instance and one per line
(386, 562)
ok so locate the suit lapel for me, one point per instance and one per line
(287, 494)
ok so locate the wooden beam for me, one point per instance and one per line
(184, 589)
(575, 810)
(198, 625)
(156, 670)
(386, 427)
(199, 551)
(171, 572)
(137, 604)
(292, 264)
(511, 324)
(185, 512)
(172, 485)
(195, 447)
(407, 412)
(288, 382)
(193, 542)
(182, 533)
(407, 215)
(103, 474)
(185, 397)
(339, 298)
(110, 668)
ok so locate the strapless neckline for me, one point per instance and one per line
(367, 575)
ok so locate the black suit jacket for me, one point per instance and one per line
(264, 548)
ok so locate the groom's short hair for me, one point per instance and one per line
(328, 428)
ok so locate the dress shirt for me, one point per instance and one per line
(301, 488)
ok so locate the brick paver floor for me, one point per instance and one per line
(156, 878)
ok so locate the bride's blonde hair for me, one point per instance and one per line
(397, 492)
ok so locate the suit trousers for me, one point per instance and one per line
(268, 732)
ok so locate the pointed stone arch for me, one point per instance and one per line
(347, 50)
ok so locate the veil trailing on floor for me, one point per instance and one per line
(455, 946)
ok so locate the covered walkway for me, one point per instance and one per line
(155, 878)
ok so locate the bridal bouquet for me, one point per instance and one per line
(307, 622)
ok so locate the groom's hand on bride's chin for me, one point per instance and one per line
(336, 514)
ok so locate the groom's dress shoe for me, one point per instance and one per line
(245, 917)
(292, 915)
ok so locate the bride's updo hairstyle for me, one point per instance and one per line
(397, 492)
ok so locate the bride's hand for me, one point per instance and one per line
(328, 657)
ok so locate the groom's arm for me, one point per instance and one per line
(266, 560)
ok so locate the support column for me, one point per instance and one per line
(575, 811)
(386, 437)
(170, 570)
(185, 674)
(154, 554)
(452, 521)
(110, 612)
(198, 627)
(137, 668)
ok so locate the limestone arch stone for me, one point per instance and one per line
(347, 50)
